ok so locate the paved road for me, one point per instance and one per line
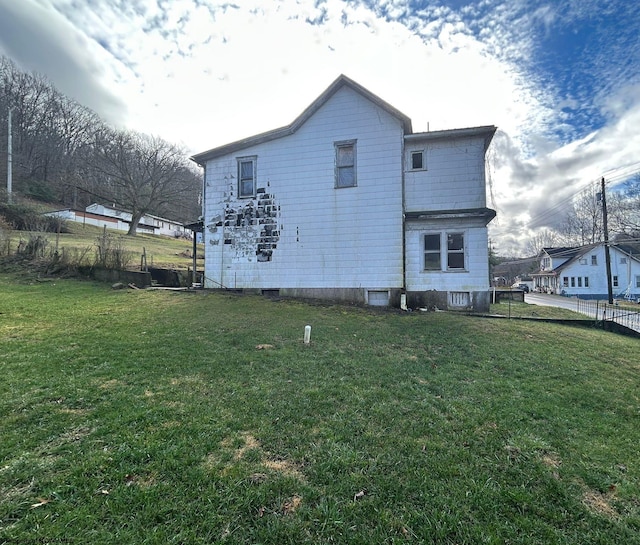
(551, 301)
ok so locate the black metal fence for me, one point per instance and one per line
(600, 311)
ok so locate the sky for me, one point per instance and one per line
(559, 78)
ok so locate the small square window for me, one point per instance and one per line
(417, 160)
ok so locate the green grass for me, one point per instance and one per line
(161, 251)
(172, 417)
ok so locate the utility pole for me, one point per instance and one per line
(607, 253)
(9, 159)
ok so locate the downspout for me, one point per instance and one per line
(403, 294)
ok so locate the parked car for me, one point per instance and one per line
(522, 287)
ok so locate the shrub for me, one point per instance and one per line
(24, 217)
(111, 252)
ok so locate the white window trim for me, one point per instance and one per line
(444, 251)
(344, 144)
(254, 160)
(424, 160)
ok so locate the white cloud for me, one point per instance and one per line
(206, 72)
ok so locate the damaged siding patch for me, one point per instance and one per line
(250, 230)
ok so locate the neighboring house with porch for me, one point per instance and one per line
(348, 203)
(581, 272)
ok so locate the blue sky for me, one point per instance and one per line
(560, 78)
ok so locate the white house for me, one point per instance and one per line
(347, 203)
(118, 219)
(581, 272)
(148, 223)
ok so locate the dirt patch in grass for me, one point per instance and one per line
(600, 503)
(111, 384)
(291, 505)
(284, 467)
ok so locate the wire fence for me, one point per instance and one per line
(601, 311)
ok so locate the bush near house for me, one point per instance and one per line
(172, 417)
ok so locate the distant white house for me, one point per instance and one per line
(581, 272)
(348, 203)
(118, 219)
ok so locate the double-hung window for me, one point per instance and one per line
(455, 251)
(247, 177)
(346, 164)
(444, 251)
(432, 259)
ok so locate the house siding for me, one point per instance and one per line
(454, 177)
(301, 236)
(325, 238)
(598, 285)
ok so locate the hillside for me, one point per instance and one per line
(83, 240)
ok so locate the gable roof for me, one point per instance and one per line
(573, 254)
(339, 83)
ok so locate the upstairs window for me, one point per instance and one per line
(247, 177)
(346, 164)
(417, 160)
(594, 259)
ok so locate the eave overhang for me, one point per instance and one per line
(484, 214)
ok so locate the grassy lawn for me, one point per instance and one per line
(161, 251)
(172, 417)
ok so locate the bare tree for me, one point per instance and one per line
(143, 173)
(626, 215)
(543, 239)
(583, 224)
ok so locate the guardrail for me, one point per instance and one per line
(613, 313)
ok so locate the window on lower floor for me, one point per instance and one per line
(579, 281)
(573, 281)
(444, 251)
(586, 281)
(432, 252)
(455, 251)
(637, 281)
(565, 281)
(615, 281)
